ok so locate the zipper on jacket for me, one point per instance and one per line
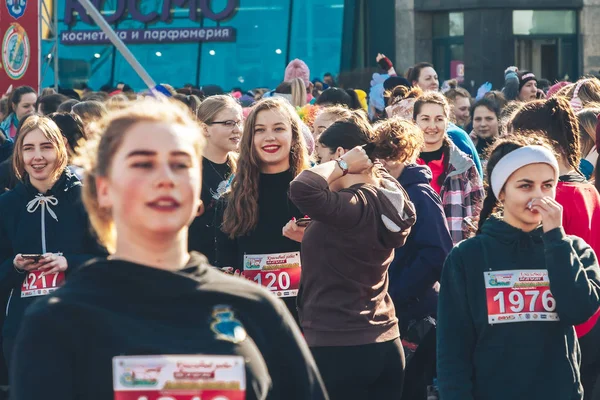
(9, 299)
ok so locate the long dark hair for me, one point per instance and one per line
(556, 118)
(499, 150)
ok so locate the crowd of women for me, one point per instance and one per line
(313, 243)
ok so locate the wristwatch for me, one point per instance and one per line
(343, 165)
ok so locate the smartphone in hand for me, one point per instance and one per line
(34, 257)
(303, 222)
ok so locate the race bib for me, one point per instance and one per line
(519, 296)
(37, 285)
(197, 377)
(280, 273)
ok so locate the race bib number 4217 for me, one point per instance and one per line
(280, 273)
(37, 284)
(519, 296)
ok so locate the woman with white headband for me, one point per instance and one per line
(510, 296)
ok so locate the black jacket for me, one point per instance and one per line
(117, 308)
(21, 233)
(8, 180)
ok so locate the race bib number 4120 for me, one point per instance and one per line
(172, 377)
(280, 273)
(519, 296)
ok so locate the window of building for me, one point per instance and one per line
(544, 22)
(448, 45)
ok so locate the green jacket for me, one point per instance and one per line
(532, 358)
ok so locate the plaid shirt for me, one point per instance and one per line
(462, 194)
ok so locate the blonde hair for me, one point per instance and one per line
(207, 113)
(100, 153)
(337, 112)
(117, 102)
(51, 132)
(89, 111)
(241, 214)
(295, 91)
(588, 119)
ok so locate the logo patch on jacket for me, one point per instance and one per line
(225, 326)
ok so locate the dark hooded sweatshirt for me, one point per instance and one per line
(346, 251)
(418, 264)
(21, 233)
(114, 308)
(531, 358)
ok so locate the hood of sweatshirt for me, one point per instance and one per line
(414, 174)
(63, 185)
(459, 161)
(397, 211)
(506, 233)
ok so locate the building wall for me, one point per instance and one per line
(589, 18)
(489, 43)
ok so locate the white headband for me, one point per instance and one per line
(518, 159)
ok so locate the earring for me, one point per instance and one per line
(200, 209)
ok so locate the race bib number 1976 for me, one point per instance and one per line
(519, 296)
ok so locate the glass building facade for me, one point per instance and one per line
(270, 33)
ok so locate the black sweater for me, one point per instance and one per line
(115, 308)
(216, 179)
(21, 233)
(275, 210)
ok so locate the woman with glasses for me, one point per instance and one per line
(222, 116)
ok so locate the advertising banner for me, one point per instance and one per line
(75, 15)
(20, 44)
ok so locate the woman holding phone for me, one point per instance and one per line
(153, 312)
(44, 229)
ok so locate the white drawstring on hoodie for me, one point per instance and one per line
(45, 202)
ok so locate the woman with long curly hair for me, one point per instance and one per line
(272, 154)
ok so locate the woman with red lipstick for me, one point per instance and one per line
(223, 119)
(272, 154)
(153, 312)
(44, 229)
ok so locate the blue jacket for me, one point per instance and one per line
(418, 264)
(461, 140)
(20, 233)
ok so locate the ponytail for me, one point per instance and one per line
(500, 149)
(489, 205)
(556, 119)
(567, 136)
